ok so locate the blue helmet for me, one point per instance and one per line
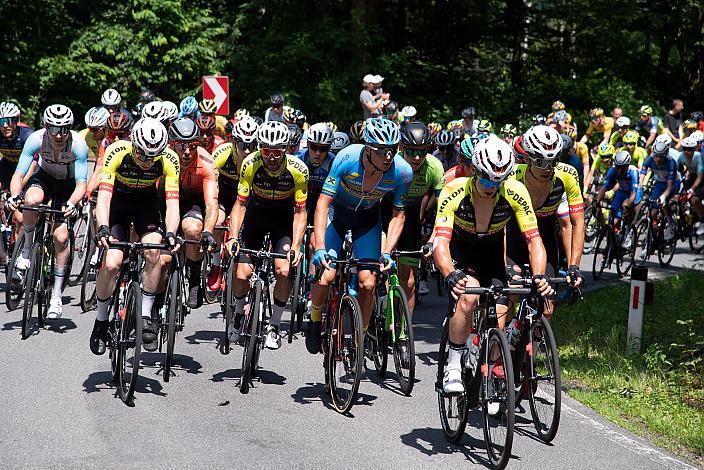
(381, 131)
(189, 106)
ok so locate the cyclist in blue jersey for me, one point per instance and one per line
(318, 159)
(648, 125)
(629, 191)
(667, 182)
(360, 176)
(13, 136)
(62, 157)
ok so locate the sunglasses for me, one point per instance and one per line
(446, 148)
(8, 121)
(543, 163)
(272, 153)
(141, 156)
(413, 153)
(182, 146)
(248, 146)
(319, 148)
(386, 151)
(487, 183)
(56, 130)
(94, 130)
(121, 135)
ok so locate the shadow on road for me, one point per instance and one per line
(180, 363)
(98, 381)
(432, 441)
(61, 326)
(205, 336)
(314, 392)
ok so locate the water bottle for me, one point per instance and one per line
(514, 333)
(352, 284)
(472, 353)
(6, 234)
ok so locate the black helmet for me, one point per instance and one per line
(566, 144)
(445, 138)
(137, 111)
(391, 107)
(258, 120)
(299, 118)
(294, 135)
(415, 134)
(277, 99)
(696, 116)
(146, 95)
(183, 130)
(538, 119)
(469, 112)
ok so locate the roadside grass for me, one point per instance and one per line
(658, 393)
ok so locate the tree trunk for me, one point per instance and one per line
(517, 21)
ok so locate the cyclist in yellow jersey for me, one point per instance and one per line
(271, 198)
(623, 125)
(128, 195)
(598, 123)
(96, 119)
(630, 143)
(469, 245)
(598, 170)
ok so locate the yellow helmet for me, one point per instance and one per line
(208, 106)
(596, 113)
(631, 137)
(484, 126)
(240, 113)
(332, 126)
(558, 106)
(645, 110)
(606, 151)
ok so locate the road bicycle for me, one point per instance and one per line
(615, 243)
(300, 294)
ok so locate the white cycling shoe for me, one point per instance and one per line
(452, 381)
(55, 308)
(273, 338)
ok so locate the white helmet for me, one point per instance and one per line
(339, 141)
(245, 130)
(273, 134)
(170, 111)
(409, 111)
(9, 110)
(697, 135)
(153, 109)
(623, 121)
(58, 115)
(320, 133)
(664, 139)
(493, 158)
(689, 143)
(542, 142)
(96, 117)
(660, 148)
(149, 136)
(622, 157)
(111, 97)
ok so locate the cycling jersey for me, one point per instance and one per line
(456, 211)
(602, 128)
(273, 190)
(565, 180)
(666, 171)
(70, 162)
(345, 181)
(109, 139)
(652, 126)
(316, 174)
(428, 176)
(691, 167)
(638, 156)
(452, 160)
(628, 183)
(457, 171)
(582, 152)
(225, 161)
(199, 179)
(121, 172)
(573, 160)
(10, 149)
(93, 145)
(216, 142)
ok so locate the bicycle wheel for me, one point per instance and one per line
(453, 408)
(600, 255)
(298, 288)
(402, 328)
(666, 249)
(544, 394)
(250, 326)
(376, 344)
(624, 261)
(696, 242)
(14, 290)
(228, 304)
(345, 354)
(89, 279)
(210, 296)
(591, 229)
(643, 241)
(33, 286)
(130, 342)
(81, 232)
(173, 301)
(498, 399)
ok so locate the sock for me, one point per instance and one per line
(277, 311)
(316, 313)
(28, 240)
(239, 305)
(103, 310)
(194, 270)
(147, 302)
(59, 272)
(454, 357)
(216, 258)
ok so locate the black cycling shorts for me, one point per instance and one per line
(58, 191)
(482, 259)
(142, 211)
(259, 221)
(227, 195)
(517, 247)
(7, 169)
(193, 208)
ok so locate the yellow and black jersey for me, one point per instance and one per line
(288, 185)
(225, 158)
(565, 180)
(121, 172)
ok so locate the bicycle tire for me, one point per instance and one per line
(452, 408)
(546, 431)
(14, 294)
(113, 338)
(498, 453)
(228, 311)
(209, 296)
(666, 250)
(643, 240)
(696, 242)
(295, 301)
(590, 231)
(624, 261)
(600, 248)
(89, 287)
(403, 322)
(376, 338)
(174, 303)
(250, 327)
(32, 286)
(130, 339)
(346, 343)
(79, 250)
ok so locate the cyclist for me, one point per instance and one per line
(463, 168)
(96, 119)
(359, 177)
(667, 182)
(208, 107)
(61, 178)
(623, 125)
(392, 113)
(318, 159)
(409, 114)
(472, 214)
(629, 190)
(271, 198)
(691, 167)
(469, 122)
(599, 167)
(294, 139)
(127, 197)
(484, 128)
(112, 101)
(434, 127)
(209, 140)
(357, 132)
(339, 141)
(169, 113)
(648, 125)
(153, 109)
(554, 117)
(276, 111)
(445, 143)
(600, 123)
(188, 108)
(508, 133)
(630, 143)
(118, 128)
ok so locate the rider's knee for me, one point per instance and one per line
(282, 270)
(152, 257)
(61, 235)
(367, 282)
(191, 228)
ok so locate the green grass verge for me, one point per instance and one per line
(659, 393)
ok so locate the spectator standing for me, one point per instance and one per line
(672, 122)
(275, 112)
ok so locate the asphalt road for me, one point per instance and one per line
(59, 409)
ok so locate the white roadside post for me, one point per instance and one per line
(639, 276)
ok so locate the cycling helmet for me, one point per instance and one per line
(170, 111)
(559, 116)
(288, 114)
(208, 106)
(622, 158)
(356, 131)
(415, 134)
(339, 141)
(558, 106)
(111, 97)
(434, 128)
(445, 138)
(137, 111)
(277, 99)
(631, 137)
(245, 130)
(484, 126)
(409, 112)
(566, 143)
(183, 130)
(149, 136)
(542, 142)
(58, 115)
(294, 135)
(509, 130)
(688, 143)
(645, 110)
(206, 123)
(493, 159)
(380, 131)
(96, 117)
(9, 110)
(298, 118)
(119, 122)
(321, 134)
(595, 113)
(146, 95)
(696, 116)
(469, 112)
(698, 136)
(467, 148)
(518, 151)
(688, 124)
(153, 110)
(606, 151)
(332, 126)
(241, 113)
(188, 106)
(391, 107)
(665, 139)
(459, 133)
(258, 120)
(660, 148)
(538, 119)
(273, 134)
(622, 122)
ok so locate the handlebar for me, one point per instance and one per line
(138, 246)
(42, 209)
(263, 254)
(417, 253)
